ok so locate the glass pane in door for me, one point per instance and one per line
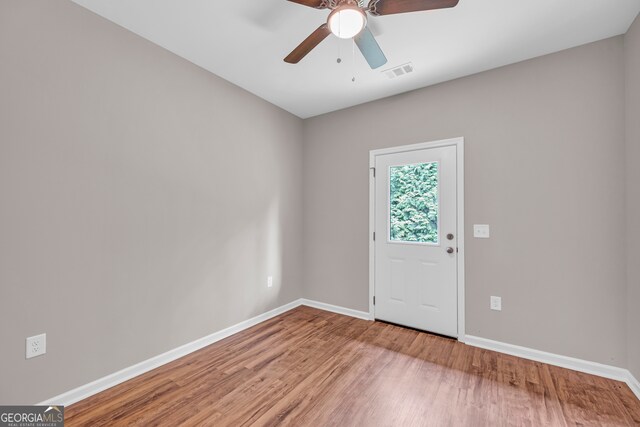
(413, 203)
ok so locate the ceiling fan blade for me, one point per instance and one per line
(318, 4)
(370, 49)
(308, 44)
(389, 7)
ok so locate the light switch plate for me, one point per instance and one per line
(481, 231)
(496, 303)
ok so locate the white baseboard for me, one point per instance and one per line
(634, 385)
(126, 374)
(594, 368)
(336, 309)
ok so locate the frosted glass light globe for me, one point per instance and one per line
(347, 22)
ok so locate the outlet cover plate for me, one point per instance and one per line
(496, 303)
(36, 346)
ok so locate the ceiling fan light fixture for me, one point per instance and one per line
(347, 21)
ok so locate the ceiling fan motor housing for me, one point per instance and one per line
(332, 4)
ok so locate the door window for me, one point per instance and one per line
(413, 203)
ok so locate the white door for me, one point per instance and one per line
(415, 239)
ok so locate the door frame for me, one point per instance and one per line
(459, 144)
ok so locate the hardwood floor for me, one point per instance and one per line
(314, 368)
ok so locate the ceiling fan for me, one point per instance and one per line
(348, 19)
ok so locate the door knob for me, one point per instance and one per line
(449, 250)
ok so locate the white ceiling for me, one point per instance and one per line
(244, 41)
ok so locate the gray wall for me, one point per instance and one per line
(143, 201)
(632, 72)
(544, 167)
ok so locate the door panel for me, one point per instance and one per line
(431, 297)
(415, 210)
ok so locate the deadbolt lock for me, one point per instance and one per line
(450, 236)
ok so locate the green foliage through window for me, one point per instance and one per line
(414, 203)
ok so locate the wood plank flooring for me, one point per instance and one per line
(314, 368)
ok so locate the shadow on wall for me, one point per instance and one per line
(251, 255)
(205, 263)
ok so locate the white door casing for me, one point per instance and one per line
(417, 278)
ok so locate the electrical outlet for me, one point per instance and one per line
(496, 303)
(481, 231)
(36, 346)
(270, 282)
